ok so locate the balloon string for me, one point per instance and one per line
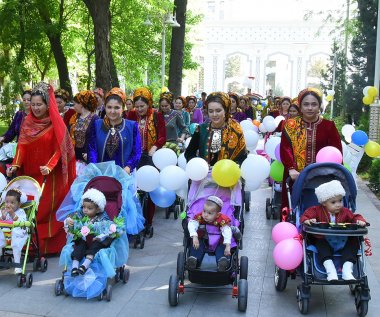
(299, 237)
(368, 249)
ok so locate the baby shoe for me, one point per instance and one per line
(82, 270)
(74, 272)
(18, 270)
(223, 264)
(191, 262)
(330, 270)
(347, 271)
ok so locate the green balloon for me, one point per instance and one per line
(183, 215)
(277, 171)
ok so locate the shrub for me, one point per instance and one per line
(374, 176)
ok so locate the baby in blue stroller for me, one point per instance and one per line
(92, 266)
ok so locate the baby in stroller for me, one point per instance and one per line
(12, 212)
(330, 196)
(210, 215)
(87, 244)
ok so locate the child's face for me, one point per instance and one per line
(90, 209)
(210, 212)
(293, 112)
(12, 203)
(334, 205)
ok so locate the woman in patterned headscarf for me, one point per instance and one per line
(152, 130)
(196, 115)
(303, 136)
(114, 138)
(45, 150)
(63, 97)
(83, 123)
(222, 137)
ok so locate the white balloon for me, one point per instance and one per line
(278, 119)
(255, 168)
(267, 119)
(252, 150)
(348, 130)
(147, 178)
(365, 90)
(182, 192)
(251, 138)
(182, 161)
(262, 128)
(246, 125)
(270, 126)
(173, 178)
(252, 185)
(331, 92)
(3, 182)
(187, 142)
(270, 146)
(197, 169)
(348, 139)
(164, 157)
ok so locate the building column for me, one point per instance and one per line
(374, 121)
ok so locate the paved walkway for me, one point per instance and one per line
(146, 292)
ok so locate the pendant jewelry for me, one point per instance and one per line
(113, 131)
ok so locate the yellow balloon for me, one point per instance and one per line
(226, 173)
(164, 89)
(372, 149)
(259, 107)
(372, 92)
(329, 97)
(367, 100)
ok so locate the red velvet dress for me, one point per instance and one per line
(300, 143)
(45, 151)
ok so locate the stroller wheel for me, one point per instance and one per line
(20, 280)
(352, 289)
(126, 274)
(36, 264)
(242, 295)
(136, 239)
(10, 260)
(243, 274)
(247, 199)
(362, 308)
(303, 303)
(274, 213)
(268, 211)
(177, 211)
(29, 280)
(173, 290)
(109, 293)
(280, 279)
(44, 264)
(58, 287)
(100, 296)
(151, 231)
(142, 242)
(167, 213)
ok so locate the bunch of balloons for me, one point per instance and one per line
(288, 252)
(255, 169)
(369, 94)
(360, 138)
(330, 95)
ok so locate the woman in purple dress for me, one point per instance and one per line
(235, 112)
(196, 115)
(14, 128)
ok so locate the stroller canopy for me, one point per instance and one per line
(303, 193)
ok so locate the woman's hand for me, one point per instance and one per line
(11, 170)
(70, 222)
(44, 170)
(152, 150)
(293, 174)
(361, 223)
(84, 155)
(310, 221)
(127, 169)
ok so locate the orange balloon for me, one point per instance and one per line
(256, 123)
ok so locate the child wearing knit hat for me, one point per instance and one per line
(330, 196)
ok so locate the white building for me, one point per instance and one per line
(244, 44)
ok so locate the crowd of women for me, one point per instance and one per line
(53, 137)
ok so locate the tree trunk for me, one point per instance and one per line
(56, 44)
(105, 72)
(177, 49)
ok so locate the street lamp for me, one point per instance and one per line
(170, 20)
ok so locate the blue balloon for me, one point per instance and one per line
(162, 197)
(263, 103)
(359, 138)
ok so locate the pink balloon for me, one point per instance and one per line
(283, 230)
(329, 154)
(277, 153)
(288, 254)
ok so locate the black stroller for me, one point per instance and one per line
(311, 270)
(209, 279)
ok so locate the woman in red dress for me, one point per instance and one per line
(303, 136)
(45, 150)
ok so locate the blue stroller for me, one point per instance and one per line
(108, 266)
(311, 270)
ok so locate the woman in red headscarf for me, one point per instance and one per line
(303, 136)
(45, 151)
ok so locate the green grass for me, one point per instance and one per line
(3, 128)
